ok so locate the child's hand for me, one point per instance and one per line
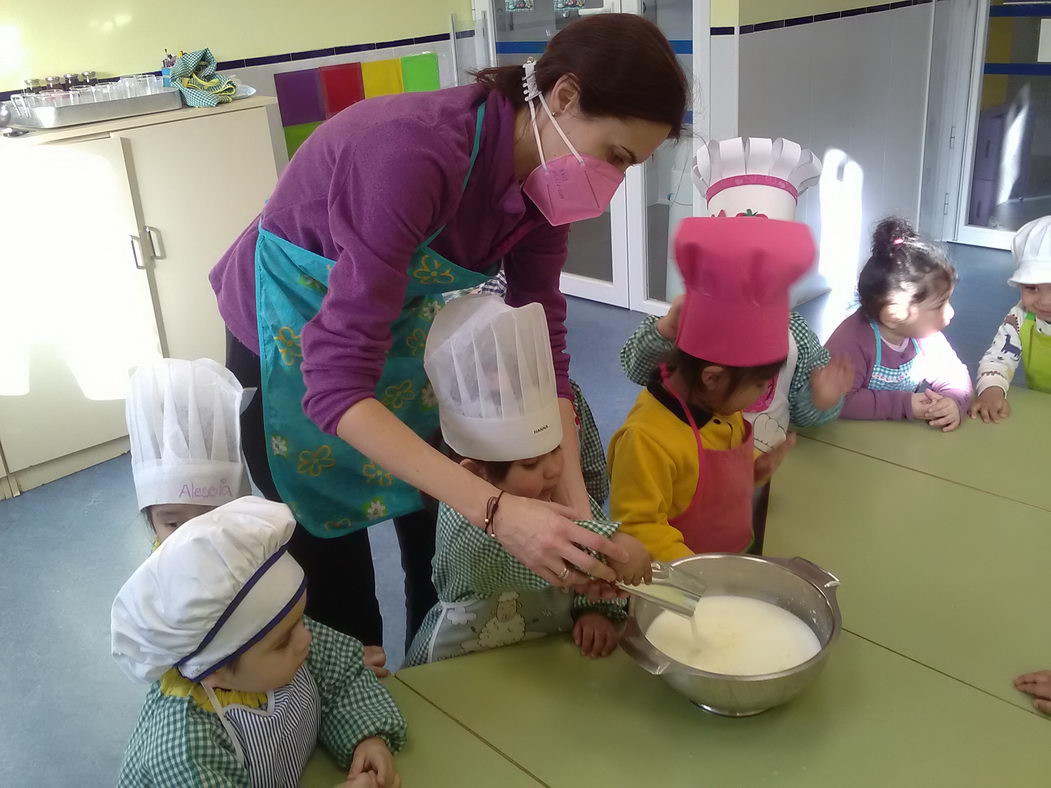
(372, 756)
(638, 568)
(595, 634)
(991, 405)
(366, 780)
(1039, 686)
(922, 401)
(375, 659)
(944, 413)
(830, 383)
(767, 464)
(668, 326)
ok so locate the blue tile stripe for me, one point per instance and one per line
(288, 57)
(1027, 9)
(1019, 69)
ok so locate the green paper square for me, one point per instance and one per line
(297, 135)
(420, 72)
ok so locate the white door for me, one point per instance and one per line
(660, 192)
(1007, 176)
(597, 266)
(200, 181)
(75, 308)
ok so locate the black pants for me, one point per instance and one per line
(341, 582)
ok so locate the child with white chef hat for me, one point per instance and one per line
(1024, 337)
(491, 369)
(183, 423)
(243, 687)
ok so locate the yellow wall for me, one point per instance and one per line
(113, 37)
(724, 13)
(755, 11)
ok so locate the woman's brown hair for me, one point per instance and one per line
(623, 66)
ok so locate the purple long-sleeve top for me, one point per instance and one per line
(368, 187)
(940, 367)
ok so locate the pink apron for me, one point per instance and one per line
(719, 517)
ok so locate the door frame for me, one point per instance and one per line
(966, 233)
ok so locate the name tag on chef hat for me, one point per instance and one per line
(738, 273)
(754, 176)
(185, 431)
(491, 369)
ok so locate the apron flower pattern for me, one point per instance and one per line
(430, 271)
(288, 344)
(375, 474)
(314, 462)
(279, 446)
(397, 397)
(334, 483)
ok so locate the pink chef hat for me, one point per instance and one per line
(738, 272)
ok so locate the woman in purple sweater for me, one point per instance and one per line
(328, 297)
(904, 367)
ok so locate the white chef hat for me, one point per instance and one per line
(1032, 253)
(491, 369)
(754, 176)
(212, 589)
(184, 424)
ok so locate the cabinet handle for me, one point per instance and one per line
(135, 253)
(157, 248)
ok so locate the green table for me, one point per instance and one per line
(872, 718)
(1007, 459)
(957, 579)
(440, 752)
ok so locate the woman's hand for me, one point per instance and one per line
(595, 634)
(543, 536)
(991, 406)
(372, 756)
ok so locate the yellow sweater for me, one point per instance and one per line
(653, 471)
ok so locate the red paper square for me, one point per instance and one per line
(341, 86)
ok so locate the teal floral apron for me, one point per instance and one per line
(331, 488)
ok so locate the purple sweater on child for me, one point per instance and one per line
(368, 187)
(940, 367)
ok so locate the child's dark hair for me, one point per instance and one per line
(495, 470)
(902, 261)
(691, 367)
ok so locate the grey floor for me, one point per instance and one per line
(65, 549)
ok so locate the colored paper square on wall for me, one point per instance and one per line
(299, 97)
(420, 72)
(297, 135)
(341, 86)
(381, 78)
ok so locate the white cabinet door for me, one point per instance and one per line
(199, 181)
(75, 308)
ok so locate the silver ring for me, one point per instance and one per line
(564, 573)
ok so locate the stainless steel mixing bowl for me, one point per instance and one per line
(795, 584)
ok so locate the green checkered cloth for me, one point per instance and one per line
(592, 450)
(470, 565)
(177, 743)
(646, 348)
(200, 84)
